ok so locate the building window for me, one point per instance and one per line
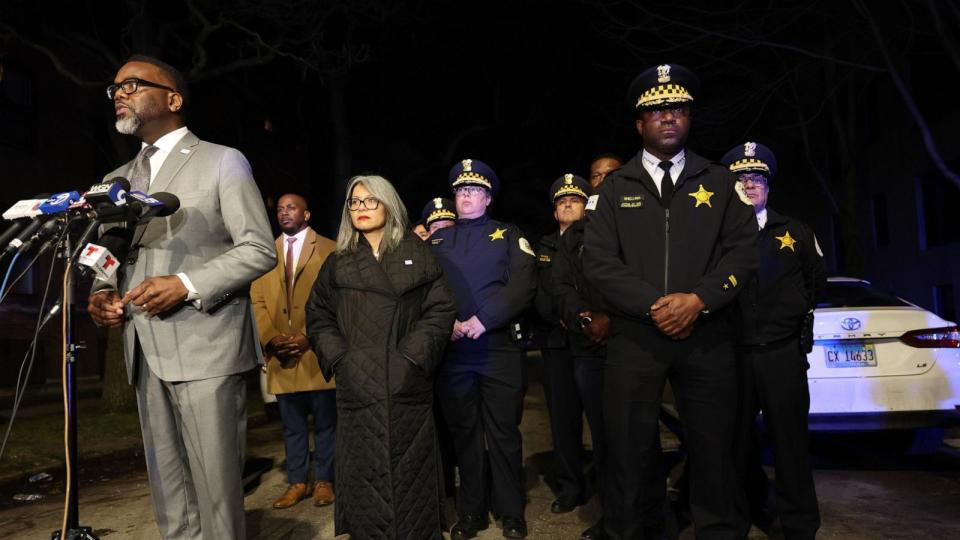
(944, 303)
(881, 224)
(939, 217)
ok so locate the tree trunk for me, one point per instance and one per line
(118, 395)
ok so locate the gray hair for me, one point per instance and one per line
(395, 227)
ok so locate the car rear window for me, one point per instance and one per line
(857, 294)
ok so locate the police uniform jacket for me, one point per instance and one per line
(792, 273)
(548, 334)
(574, 293)
(491, 268)
(704, 243)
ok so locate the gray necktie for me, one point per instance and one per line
(140, 175)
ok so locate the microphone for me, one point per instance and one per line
(18, 212)
(146, 207)
(106, 202)
(112, 192)
(57, 204)
(104, 258)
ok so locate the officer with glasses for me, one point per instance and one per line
(776, 333)
(491, 268)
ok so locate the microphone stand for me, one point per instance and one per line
(71, 529)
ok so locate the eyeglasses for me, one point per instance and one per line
(130, 86)
(676, 112)
(369, 203)
(468, 191)
(755, 179)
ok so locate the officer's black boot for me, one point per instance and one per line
(514, 527)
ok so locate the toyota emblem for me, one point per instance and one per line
(850, 323)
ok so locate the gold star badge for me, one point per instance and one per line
(497, 235)
(786, 241)
(702, 196)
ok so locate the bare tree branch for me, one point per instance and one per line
(908, 100)
(752, 41)
(9, 33)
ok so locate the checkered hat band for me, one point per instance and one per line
(443, 213)
(664, 94)
(749, 165)
(472, 179)
(569, 190)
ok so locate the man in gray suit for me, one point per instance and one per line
(189, 331)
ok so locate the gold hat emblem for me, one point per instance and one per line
(663, 73)
(568, 179)
(438, 203)
(467, 165)
(750, 149)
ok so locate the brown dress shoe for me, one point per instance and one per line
(294, 494)
(323, 493)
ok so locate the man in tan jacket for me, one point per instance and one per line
(293, 372)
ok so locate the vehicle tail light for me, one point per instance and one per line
(933, 338)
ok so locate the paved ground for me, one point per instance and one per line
(868, 490)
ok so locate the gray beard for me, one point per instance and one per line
(129, 125)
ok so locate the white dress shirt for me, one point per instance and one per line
(762, 218)
(297, 247)
(652, 164)
(164, 145)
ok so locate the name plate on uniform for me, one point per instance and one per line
(631, 201)
(850, 355)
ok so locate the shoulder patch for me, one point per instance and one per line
(435, 241)
(592, 202)
(544, 258)
(742, 193)
(525, 247)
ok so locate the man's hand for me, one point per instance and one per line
(599, 330)
(289, 348)
(157, 295)
(675, 313)
(105, 308)
(472, 328)
(457, 331)
(294, 347)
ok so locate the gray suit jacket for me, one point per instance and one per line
(221, 239)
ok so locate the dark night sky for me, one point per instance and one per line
(535, 88)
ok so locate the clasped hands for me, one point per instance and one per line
(471, 328)
(675, 313)
(289, 347)
(154, 296)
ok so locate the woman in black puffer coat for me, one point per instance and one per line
(379, 316)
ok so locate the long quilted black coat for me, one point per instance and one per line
(381, 327)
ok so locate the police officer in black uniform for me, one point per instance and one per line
(777, 329)
(491, 268)
(564, 377)
(668, 243)
(584, 314)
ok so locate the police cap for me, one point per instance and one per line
(438, 209)
(666, 85)
(751, 157)
(569, 184)
(473, 172)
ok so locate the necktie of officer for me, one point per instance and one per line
(666, 185)
(289, 267)
(140, 175)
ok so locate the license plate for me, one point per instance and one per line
(850, 355)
